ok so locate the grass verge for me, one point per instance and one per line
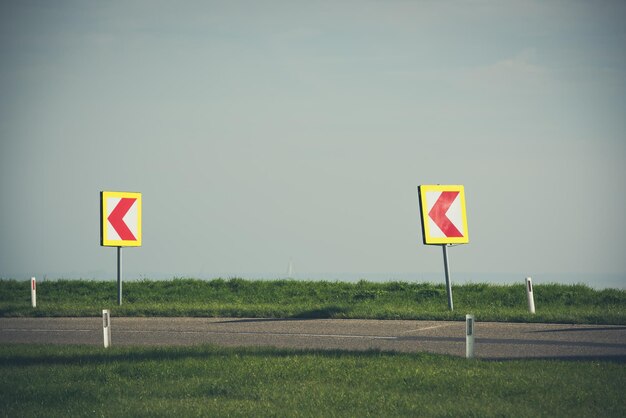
(209, 381)
(315, 299)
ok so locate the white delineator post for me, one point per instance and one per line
(33, 292)
(106, 327)
(529, 293)
(469, 336)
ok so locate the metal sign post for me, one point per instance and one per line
(448, 281)
(119, 276)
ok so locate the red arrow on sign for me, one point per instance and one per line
(116, 218)
(438, 214)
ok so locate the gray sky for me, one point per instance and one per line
(263, 131)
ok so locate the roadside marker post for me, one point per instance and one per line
(33, 292)
(106, 327)
(529, 293)
(444, 221)
(469, 336)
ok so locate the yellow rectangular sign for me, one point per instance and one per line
(120, 219)
(443, 214)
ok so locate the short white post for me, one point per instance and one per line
(529, 293)
(469, 336)
(106, 327)
(33, 292)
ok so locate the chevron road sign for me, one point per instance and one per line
(444, 219)
(120, 225)
(120, 219)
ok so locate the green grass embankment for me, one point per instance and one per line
(57, 381)
(314, 299)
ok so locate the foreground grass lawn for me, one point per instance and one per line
(208, 381)
(315, 299)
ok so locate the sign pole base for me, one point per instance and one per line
(448, 281)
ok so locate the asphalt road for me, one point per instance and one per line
(492, 340)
